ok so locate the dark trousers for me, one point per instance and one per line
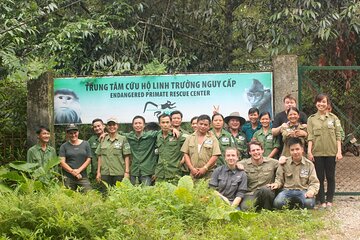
(325, 167)
(73, 184)
(111, 180)
(261, 199)
(144, 180)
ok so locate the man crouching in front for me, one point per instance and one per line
(298, 179)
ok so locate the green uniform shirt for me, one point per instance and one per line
(225, 140)
(35, 154)
(143, 159)
(209, 148)
(324, 131)
(285, 136)
(259, 175)
(112, 154)
(184, 133)
(268, 141)
(300, 176)
(168, 149)
(92, 168)
(241, 145)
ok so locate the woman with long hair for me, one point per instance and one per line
(324, 147)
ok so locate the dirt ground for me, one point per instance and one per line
(343, 220)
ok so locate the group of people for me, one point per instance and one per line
(240, 160)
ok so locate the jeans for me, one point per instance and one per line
(144, 180)
(325, 167)
(261, 199)
(291, 197)
(73, 184)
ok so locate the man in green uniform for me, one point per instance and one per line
(113, 156)
(260, 173)
(234, 121)
(176, 120)
(168, 148)
(41, 152)
(143, 154)
(298, 179)
(98, 128)
(201, 149)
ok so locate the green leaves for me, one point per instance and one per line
(23, 167)
(154, 67)
(28, 177)
(143, 213)
(183, 194)
(186, 182)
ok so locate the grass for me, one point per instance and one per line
(165, 211)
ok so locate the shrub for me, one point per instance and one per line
(164, 211)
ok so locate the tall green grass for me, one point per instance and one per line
(165, 211)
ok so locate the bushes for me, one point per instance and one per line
(161, 212)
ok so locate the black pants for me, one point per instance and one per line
(325, 167)
(110, 180)
(261, 199)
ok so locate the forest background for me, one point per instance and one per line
(114, 37)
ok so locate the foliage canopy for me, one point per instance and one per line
(85, 37)
(99, 37)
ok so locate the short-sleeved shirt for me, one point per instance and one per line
(75, 156)
(324, 131)
(300, 176)
(94, 143)
(268, 141)
(230, 183)
(209, 148)
(259, 175)
(285, 133)
(143, 156)
(35, 154)
(113, 154)
(168, 149)
(249, 131)
(225, 140)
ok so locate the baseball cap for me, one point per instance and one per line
(112, 119)
(72, 126)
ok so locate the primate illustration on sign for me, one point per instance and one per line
(259, 97)
(67, 107)
(160, 108)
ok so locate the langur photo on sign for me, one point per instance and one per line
(67, 107)
(259, 97)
